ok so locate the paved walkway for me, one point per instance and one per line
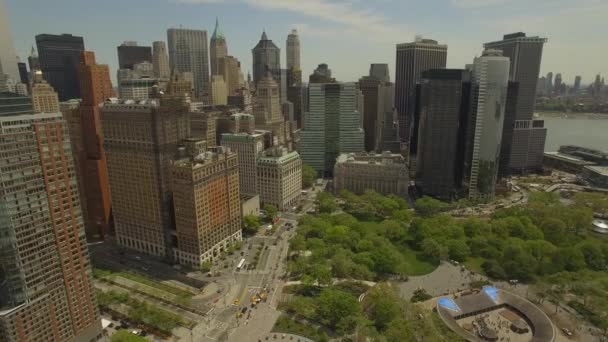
(447, 278)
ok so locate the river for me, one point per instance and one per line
(588, 130)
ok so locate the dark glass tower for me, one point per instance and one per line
(129, 54)
(59, 59)
(444, 110)
(412, 59)
(266, 55)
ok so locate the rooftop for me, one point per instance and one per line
(602, 170)
(567, 157)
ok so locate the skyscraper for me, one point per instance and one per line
(160, 60)
(95, 87)
(331, 126)
(248, 148)
(558, 84)
(129, 54)
(279, 174)
(266, 56)
(188, 52)
(378, 99)
(490, 82)
(205, 185)
(525, 54)
(59, 59)
(218, 49)
(577, 84)
(46, 291)
(292, 48)
(44, 98)
(322, 74)
(230, 68)
(219, 91)
(8, 55)
(140, 171)
(444, 105)
(268, 112)
(412, 59)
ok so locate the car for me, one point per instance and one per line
(567, 331)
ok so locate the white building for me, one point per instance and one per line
(280, 178)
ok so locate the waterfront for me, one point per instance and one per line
(589, 130)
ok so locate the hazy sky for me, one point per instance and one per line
(346, 34)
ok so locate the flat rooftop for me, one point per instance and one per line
(602, 170)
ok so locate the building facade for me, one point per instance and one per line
(248, 147)
(292, 48)
(266, 56)
(279, 174)
(8, 54)
(141, 141)
(490, 83)
(412, 59)
(219, 91)
(331, 126)
(203, 125)
(378, 100)
(44, 98)
(160, 60)
(205, 187)
(129, 54)
(59, 57)
(444, 112)
(46, 291)
(188, 52)
(385, 173)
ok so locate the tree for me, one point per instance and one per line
(432, 249)
(428, 206)
(308, 176)
(420, 295)
(271, 211)
(493, 269)
(594, 257)
(384, 306)
(400, 330)
(338, 309)
(251, 224)
(326, 203)
(458, 250)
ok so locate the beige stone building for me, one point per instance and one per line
(248, 147)
(141, 141)
(219, 91)
(279, 174)
(45, 98)
(384, 173)
(203, 124)
(206, 201)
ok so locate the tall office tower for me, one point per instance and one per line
(378, 99)
(506, 144)
(203, 125)
(577, 84)
(188, 52)
(549, 85)
(137, 84)
(140, 171)
(45, 289)
(443, 102)
(23, 74)
(33, 61)
(8, 54)
(294, 94)
(412, 59)
(95, 87)
(558, 84)
(230, 68)
(207, 206)
(266, 56)
(59, 59)
(489, 87)
(219, 91)
(268, 106)
(331, 126)
(21, 89)
(322, 74)
(242, 100)
(525, 54)
(292, 48)
(380, 72)
(217, 49)
(248, 148)
(129, 54)
(160, 60)
(279, 175)
(540, 86)
(179, 84)
(44, 98)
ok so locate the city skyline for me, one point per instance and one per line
(464, 28)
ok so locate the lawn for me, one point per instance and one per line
(416, 265)
(474, 264)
